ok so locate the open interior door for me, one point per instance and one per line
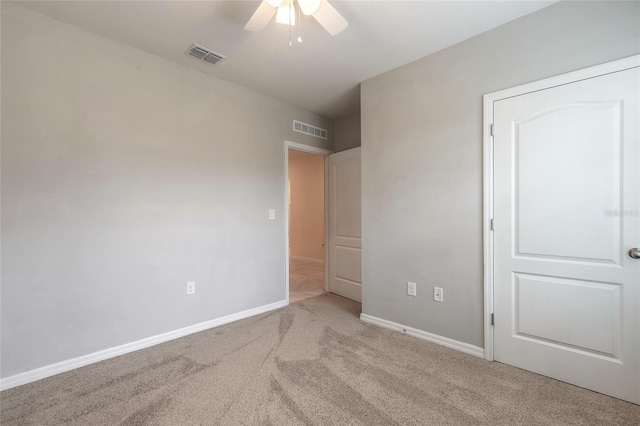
(345, 241)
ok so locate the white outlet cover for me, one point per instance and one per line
(438, 294)
(191, 287)
(411, 288)
(272, 214)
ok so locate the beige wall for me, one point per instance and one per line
(347, 133)
(306, 223)
(123, 177)
(422, 157)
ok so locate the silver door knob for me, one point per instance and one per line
(634, 253)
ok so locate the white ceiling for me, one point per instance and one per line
(323, 73)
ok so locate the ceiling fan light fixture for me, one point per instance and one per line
(323, 12)
(286, 13)
(309, 7)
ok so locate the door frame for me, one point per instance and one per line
(312, 150)
(487, 148)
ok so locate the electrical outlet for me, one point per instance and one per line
(272, 214)
(411, 288)
(191, 288)
(438, 294)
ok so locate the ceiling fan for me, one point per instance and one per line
(321, 10)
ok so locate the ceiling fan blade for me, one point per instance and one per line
(329, 18)
(260, 17)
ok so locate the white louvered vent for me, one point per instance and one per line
(205, 54)
(308, 129)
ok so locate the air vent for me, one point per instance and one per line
(308, 129)
(205, 54)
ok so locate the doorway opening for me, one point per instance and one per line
(307, 221)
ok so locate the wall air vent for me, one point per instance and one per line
(205, 54)
(308, 129)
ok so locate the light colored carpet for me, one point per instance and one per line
(313, 362)
(306, 279)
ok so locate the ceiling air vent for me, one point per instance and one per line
(205, 54)
(308, 129)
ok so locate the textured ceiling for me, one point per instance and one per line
(323, 73)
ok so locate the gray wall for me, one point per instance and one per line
(347, 133)
(422, 157)
(123, 177)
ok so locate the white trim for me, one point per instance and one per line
(487, 142)
(571, 77)
(434, 338)
(306, 259)
(311, 150)
(326, 223)
(306, 148)
(71, 364)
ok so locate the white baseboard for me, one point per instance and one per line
(306, 259)
(61, 367)
(434, 338)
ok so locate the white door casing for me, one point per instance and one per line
(565, 195)
(345, 241)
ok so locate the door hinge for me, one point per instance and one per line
(491, 224)
(492, 320)
(491, 130)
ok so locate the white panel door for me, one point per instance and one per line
(566, 211)
(345, 242)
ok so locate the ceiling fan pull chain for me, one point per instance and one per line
(299, 24)
(290, 6)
